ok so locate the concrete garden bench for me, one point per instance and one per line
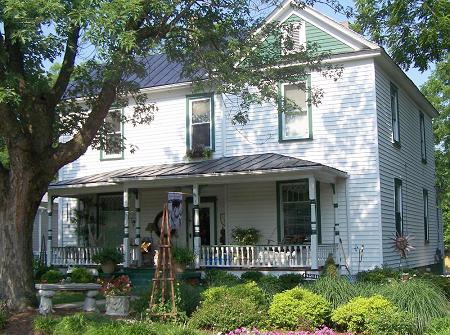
(47, 291)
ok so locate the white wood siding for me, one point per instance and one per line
(405, 163)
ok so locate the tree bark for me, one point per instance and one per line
(22, 192)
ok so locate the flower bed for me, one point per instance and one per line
(324, 330)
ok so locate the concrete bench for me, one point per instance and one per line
(47, 291)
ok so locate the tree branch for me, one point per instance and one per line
(67, 68)
(71, 150)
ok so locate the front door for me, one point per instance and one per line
(207, 227)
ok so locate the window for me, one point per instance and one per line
(295, 122)
(423, 143)
(293, 37)
(200, 119)
(398, 201)
(425, 216)
(114, 136)
(295, 211)
(395, 115)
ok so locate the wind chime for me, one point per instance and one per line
(164, 278)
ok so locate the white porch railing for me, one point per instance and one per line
(259, 256)
(65, 256)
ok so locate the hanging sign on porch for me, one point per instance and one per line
(175, 208)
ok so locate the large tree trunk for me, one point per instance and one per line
(22, 192)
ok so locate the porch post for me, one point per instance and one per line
(312, 198)
(126, 243)
(197, 240)
(337, 237)
(137, 207)
(49, 228)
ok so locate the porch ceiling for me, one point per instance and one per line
(220, 170)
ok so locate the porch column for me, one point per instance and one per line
(137, 241)
(312, 199)
(197, 240)
(337, 237)
(126, 242)
(49, 229)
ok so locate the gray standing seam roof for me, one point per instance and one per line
(234, 164)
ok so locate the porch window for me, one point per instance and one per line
(395, 115)
(295, 120)
(426, 227)
(423, 146)
(398, 206)
(114, 136)
(295, 211)
(200, 122)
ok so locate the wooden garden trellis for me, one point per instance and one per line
(164, 274)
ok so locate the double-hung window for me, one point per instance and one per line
(114, 136)
(295, 211)
(398, 206)
(395, 115)
(200, 122)
(295, 118)
(426, 227)
(423, 143)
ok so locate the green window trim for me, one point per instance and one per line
(318, 215)
(423, 139)
(103, 155)
(309, 110)
(426, 222)
(189, 98)
(398, 206)
(395, 115)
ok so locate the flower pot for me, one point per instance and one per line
(108, 267)
(118, 305)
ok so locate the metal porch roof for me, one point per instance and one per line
(224, 165)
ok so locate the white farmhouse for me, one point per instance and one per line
(342, 178)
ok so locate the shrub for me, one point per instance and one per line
(225, 308)
(379, 275)
(420, 298)
(44, 325)
(439, 326)
(372, 316)
(183, 256)
(298, 307)
(190, 297)
(329, 268)
(270, 286)
(289, 281)
(39, 268)
(219, 278)
(81, 275)
(3, 315)
(336, 290)
(52, 277)
(252, 276)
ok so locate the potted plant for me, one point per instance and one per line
(199, 151)
(245, 236)
(117, 294)
(108, 258)
(182, 258)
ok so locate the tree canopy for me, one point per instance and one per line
(416, 33)
(437, 90)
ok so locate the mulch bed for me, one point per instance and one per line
(22, 323)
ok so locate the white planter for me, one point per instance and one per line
(117, 305)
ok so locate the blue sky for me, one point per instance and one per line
(416, 76)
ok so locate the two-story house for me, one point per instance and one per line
(344, 177)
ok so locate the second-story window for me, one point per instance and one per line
(423, 143)
(426, 227)
(114, 136)
(200, 126)
(398, 206)
(295, 119)
(395, 115)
